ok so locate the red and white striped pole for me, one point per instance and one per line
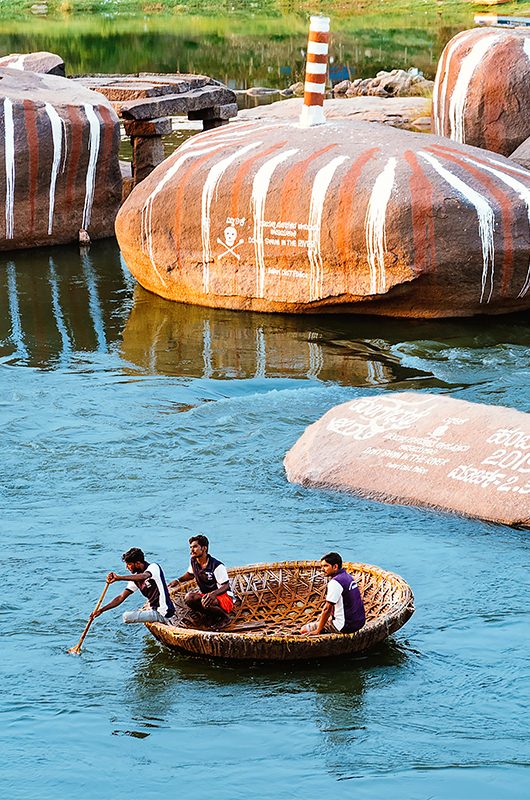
(315, 73)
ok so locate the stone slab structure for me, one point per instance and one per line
(59, 167)
(345, 216)
(43, 62)
(424, 450)
(482, 89)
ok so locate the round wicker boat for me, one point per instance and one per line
(274, 601)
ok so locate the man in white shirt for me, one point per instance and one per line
(343, 610)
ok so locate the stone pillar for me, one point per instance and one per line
(147, 146)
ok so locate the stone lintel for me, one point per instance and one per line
(148, 127)
(223, 112)
(175, 104)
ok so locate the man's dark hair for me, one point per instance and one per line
(201, 539)
(332, 559)
(133, 555)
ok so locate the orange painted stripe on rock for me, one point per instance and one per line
(313, 99)
(346, 202)
(315, 78)
(314, 58)
(318, 36)
(502, 200)
(423, 238)
(77, 126)
(293, 191)
(241, 174)
(186, 173)
(107, 142)
(30, 120)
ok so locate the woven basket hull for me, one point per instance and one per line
(275, 600)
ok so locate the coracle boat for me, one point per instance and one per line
(274, 601)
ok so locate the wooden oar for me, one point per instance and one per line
(77, 648)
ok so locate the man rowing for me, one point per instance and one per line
(149, 579)
(213, 597)
(343, 610)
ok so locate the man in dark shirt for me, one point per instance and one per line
(149, 579)
(214, 596)
(343, 610)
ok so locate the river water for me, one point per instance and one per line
(128, 420)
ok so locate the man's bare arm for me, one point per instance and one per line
(183, 578)
(118, 600)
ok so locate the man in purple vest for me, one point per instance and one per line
(343, 610)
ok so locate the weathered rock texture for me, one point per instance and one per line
(482, 89)
(59, 168)
(343, 216)
(423, 450)
(43, 62)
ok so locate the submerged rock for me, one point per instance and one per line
(482, 89)
(59, 168)
(425, 450)
(346, 216)
(43, 62)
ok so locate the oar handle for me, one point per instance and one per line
(90, 621)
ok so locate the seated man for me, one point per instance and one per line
(214, 596)
(343, 604)
(150, 580)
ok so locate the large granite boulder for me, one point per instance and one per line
(346, 216)
(43, 62)
(420, 449)
(59, 167)
(521, 155)
(482, 89)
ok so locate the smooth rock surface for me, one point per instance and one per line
(42, 62)
(425, 450)
(347, 216)
(59, 168)
(482, 89)
(397, 111)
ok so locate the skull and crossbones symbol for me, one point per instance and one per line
(229, 244)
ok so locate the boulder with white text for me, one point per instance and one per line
(423, 450)
(481, 93)
(342, 217)
(59, 165)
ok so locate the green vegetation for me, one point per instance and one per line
(243, 42)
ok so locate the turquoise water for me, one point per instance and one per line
(127, 420)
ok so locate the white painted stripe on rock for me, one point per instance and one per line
(314, 88)
(317, 48)
(210, 186)
(375, 226)
(440, 105)
(260, 187)
(57, 138)
(146, 230)
(521, 190)
(457, 104)
(314, 68)
(486, 221)
(9, 132)
(94, 142)
(319, 24)
(526, 47)
(321, 184)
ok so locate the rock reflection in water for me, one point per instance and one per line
(57, 303)
(176, 339)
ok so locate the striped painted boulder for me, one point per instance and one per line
(342, 216)
(59, 168)
(482, 89)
